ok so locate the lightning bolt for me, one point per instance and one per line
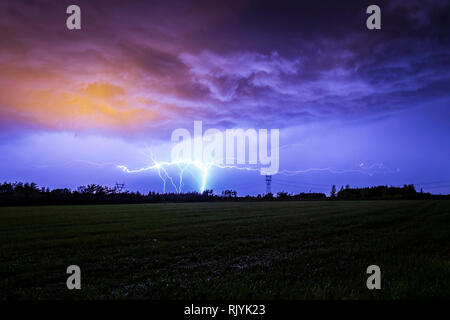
(184, 165)
(203, 167)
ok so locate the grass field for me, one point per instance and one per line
(232, 250)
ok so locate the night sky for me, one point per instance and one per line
(354, 106)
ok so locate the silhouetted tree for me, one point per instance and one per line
(333, 192)
(282, 195)
(208, 193)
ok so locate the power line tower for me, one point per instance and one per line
(119, 187)
(268, 184)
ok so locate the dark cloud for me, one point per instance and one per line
(240, 62)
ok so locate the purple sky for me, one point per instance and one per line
(354, 106)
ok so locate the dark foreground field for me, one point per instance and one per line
(271, 250)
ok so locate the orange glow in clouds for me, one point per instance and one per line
(80, 107)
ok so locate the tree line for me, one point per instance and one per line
(18, 193)
(407, 192)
